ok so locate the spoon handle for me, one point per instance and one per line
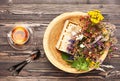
(17, 70)
(18, 67)
(15, 66)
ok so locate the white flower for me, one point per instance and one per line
(80, 37)
(82, 46)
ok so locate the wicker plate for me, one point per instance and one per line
(51, 37)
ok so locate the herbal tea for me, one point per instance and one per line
(20, 35)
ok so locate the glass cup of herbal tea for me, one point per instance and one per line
(19, 37)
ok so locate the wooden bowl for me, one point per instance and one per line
(50, 40)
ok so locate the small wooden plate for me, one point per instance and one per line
(50, 40)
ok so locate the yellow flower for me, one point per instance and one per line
(95, 16)
(92, 64)
(104, 31)
(87, 59)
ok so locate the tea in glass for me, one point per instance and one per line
(19, 35)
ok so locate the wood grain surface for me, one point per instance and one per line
(38, 14)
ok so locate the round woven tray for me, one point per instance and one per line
(51, 37)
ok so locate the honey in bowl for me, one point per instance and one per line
(20, 35)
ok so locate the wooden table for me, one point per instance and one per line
(38, 14)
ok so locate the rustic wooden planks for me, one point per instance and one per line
(49, 79)
(2, 2)
(41, 12)
(65, 1)
(60, 8)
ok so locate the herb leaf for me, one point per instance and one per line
(84, 66)
(80, 64)
(66, 57)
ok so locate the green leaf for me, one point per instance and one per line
(75, 64)
(84, 66)
(65, 57)
(80, 64)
